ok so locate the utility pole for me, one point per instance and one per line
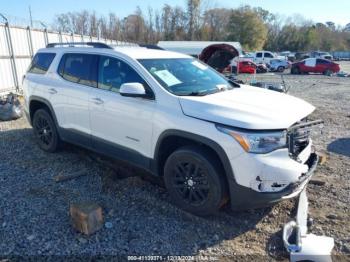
(30, 17)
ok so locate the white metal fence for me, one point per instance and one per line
(18, 45)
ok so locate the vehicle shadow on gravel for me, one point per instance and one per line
(340, 146)
(142, 219)
(174, 231)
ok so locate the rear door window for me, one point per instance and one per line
(41, 63)
(258, 54)
(79, 68)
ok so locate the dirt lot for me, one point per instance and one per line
(34, 209)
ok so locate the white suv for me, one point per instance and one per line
(213, 141)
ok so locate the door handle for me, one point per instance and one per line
(97, 101)
(52, 91)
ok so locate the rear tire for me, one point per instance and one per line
(192, 177)
(45, 131)
(280, 69)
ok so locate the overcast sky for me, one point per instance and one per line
(337, 11)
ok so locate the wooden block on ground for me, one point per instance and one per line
(86, 217)
(317, 182)
(322, 156)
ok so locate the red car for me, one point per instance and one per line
(245, 67)
(315, 65)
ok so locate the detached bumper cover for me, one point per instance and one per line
(301, 245)
(245, 198)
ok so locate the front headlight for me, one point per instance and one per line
(256, 141)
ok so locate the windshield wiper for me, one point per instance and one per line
(195, 93)
(204, 93)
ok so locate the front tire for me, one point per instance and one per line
(192, 177)
(45, 131)
(327, 72)
(280, 69)
(295, 70)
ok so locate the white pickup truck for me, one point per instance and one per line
(265, 57)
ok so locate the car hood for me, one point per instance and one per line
(247, 107)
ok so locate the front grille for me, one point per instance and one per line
(298, 136)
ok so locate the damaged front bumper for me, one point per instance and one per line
(297, 187)
(301, 245)
(249, 198)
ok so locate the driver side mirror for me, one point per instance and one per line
(132, 90)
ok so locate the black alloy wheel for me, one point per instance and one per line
(195, 180)
(45, 131)
(191, 182)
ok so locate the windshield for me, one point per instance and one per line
(185, 76)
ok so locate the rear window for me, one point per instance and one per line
(41, 63)
(79, 68)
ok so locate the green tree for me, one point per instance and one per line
(255, 28)
(193, 17)
(247, 27)
(215, 23)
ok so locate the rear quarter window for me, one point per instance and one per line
(41, 63)
(322, 61)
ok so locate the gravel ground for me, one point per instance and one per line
(34, 209)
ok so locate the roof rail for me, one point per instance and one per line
(148, 46)
(73, 44)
